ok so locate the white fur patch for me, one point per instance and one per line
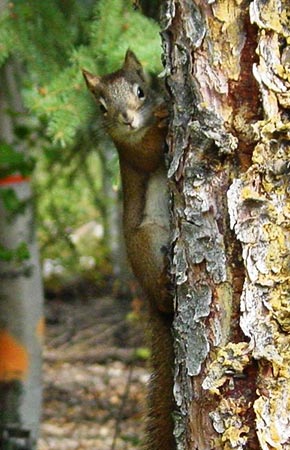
(156, 203)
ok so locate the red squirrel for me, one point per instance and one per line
(134, 116)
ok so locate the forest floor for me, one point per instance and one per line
(94, 384)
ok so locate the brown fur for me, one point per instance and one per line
(140, 142)
(148, 264)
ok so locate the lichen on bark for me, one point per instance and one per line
(259, 208)
(228, 73)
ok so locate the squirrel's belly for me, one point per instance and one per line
(156, 210)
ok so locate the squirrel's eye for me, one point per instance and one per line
(103, 106)
(139, 92)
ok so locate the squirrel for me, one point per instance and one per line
(135, 117)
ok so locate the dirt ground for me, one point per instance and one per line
(94, 382)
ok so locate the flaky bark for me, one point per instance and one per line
(228, 75)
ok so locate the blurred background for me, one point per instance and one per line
(52, 141)
(74, 169)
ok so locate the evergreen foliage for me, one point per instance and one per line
(49, 43)
(54, 50)
(6, 36)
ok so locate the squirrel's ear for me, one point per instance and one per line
(131, 62)
(93, 82)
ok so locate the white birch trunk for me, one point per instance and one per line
(21, 299)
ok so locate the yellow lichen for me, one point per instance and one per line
(270, 14)
(232, 412)
(229, 361)
(272, 414)
(280, 304)
(251, 194)
(233, 434)
(227, 34)
(276, 249)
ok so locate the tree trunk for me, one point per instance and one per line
(21, 298)
(228, 75)
(113, 228)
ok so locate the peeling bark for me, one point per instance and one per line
(228, 74)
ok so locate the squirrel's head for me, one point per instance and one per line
(124, 97)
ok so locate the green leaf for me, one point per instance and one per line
(12, 161)
(7, 37)
(22, 252)
(8, 156)
(19, 254)
(143, 353)
(11, 202)
(6, 254)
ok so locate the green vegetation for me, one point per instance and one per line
(48, 43)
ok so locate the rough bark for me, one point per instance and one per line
(228, 75)
(21, 297)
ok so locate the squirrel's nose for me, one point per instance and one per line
(127, 119)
